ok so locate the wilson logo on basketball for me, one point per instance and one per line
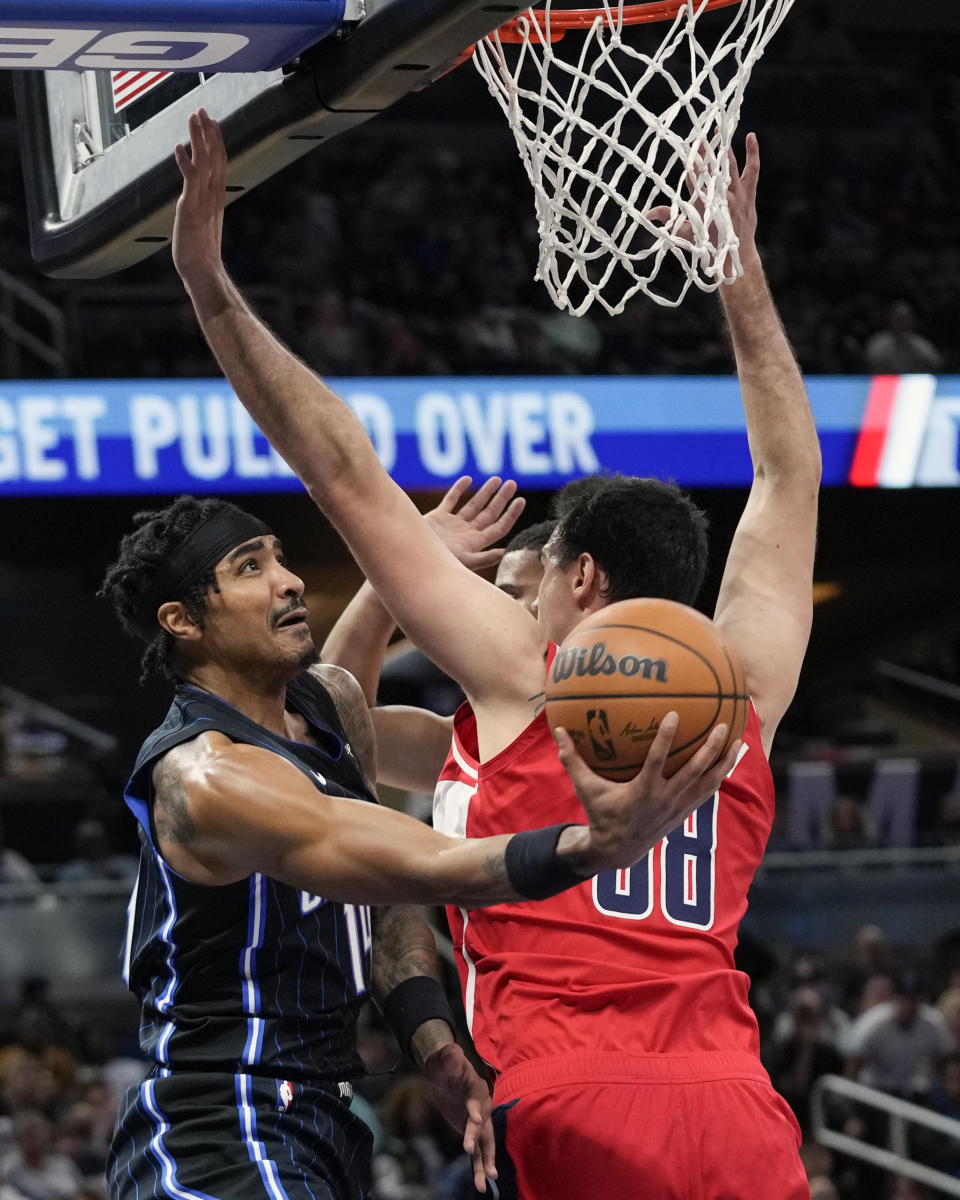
(597, 661)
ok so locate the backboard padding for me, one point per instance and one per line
(120, 208)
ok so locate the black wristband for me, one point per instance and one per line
(534, 868)
(411, 1003)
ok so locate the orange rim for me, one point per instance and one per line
(562, 20)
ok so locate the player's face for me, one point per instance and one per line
(258, 617)
(519, 575)
(555, 607)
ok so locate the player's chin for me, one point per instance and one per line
(308, 654)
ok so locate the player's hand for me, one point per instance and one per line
(628, 819)
(198, 227)
(489, 515)
(741, 205)
(464, 1099)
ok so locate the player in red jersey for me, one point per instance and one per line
(627, 1057)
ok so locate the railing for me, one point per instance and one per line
(945, 858)
(100, 743)
(51, 349)
(901, 1112)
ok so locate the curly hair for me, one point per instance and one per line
(648, 537)
(156, 535)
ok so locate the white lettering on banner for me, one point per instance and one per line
(527, 429)
(443, 448)
(571, 424)
(544, 432)
(213, 460)
(84, 412)
(375, 416)
(44, 49)
(248, 463)
(153, 426)
(49, 48)
(159, 48)
(213, 435)
(31, 429)
(39, 437)
(486, 429)
(9, 455)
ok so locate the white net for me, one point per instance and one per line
(624, 132)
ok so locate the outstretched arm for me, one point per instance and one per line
(765, 604)
(224, 811)
(433, 597)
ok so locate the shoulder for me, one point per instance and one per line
(348, 699)
(336, 681)
(194, 763)
(346, 695)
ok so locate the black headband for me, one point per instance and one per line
(210, 541)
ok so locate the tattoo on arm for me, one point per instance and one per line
(495, 866)
(539, 702)
(403, 946)
(171, 812)
(354, 714)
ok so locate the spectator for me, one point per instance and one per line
(332, 344)
(897, 1046)
(869, 957)
(949, 1008)
(809, 1051)
(847, 826)
(898, 349)
(93, 857)
(34, 1168)
(418, 1143)
(34, 1046)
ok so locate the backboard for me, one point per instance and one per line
(97, 140)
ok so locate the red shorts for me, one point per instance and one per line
(657, 1127)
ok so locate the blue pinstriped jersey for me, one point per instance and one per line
(253, 976)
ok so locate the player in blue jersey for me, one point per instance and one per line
(249, 941)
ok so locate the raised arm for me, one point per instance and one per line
(450, 613)
(765, 604)
(412, 743)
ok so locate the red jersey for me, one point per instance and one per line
(636, 961)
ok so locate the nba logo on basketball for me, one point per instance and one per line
(599, 729)
(284, 1095)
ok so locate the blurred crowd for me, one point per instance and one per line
(394, 253)
(877, 1014)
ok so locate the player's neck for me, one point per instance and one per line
(262, 700)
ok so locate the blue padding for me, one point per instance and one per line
(242, 35)
(173, 13)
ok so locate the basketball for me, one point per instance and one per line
(620, 671)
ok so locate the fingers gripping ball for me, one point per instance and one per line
(625, 667)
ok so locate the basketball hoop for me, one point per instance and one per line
(626, 141)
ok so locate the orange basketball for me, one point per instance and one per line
(625, 667)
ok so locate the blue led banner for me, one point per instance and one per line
(168, 35)
(168, 436)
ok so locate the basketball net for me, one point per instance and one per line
(625, 143)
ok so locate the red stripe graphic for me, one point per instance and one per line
(129, 85)
(865, 467)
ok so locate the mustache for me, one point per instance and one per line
(297, 605)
